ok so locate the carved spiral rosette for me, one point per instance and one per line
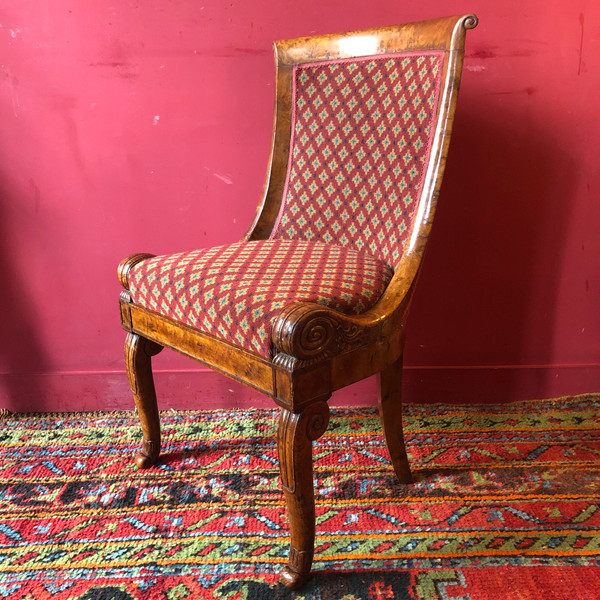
(317, 419)
(307, 331)
(315, 336)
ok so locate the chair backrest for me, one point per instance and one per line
(363, 120)
(361, 134)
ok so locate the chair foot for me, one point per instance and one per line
(294, 443)
(297, 572)
(148, 456)
(138, 361)
(291, 579)
(390, 413)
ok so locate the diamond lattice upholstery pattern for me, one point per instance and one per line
(235, 292)
(361, 134)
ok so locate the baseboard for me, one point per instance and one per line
(179, 390)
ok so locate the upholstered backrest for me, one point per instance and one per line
(361, 134)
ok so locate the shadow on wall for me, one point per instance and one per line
(21, 352)
(490, 278)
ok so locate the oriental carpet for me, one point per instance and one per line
(505, 506)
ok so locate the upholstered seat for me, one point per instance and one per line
(235, 292)
(316, 295)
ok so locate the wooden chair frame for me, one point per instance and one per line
(319, 350)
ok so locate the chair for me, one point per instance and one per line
(315, 296)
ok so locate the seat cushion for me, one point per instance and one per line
(236, 292)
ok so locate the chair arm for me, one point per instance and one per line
(127, 264)
(309, 331)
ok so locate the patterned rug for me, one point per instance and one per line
(505, 506)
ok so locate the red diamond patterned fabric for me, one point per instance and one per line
(235, 292)
(361, 134)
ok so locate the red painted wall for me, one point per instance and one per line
(146, 127)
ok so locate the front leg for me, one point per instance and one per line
(294, 442)
(138, 361)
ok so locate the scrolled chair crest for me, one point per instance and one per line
(470, 21)
(308, 331)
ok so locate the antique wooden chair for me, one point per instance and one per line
(315, 296)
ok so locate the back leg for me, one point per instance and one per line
(138, 361)
(390, 413)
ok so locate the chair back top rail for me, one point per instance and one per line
(446, 33)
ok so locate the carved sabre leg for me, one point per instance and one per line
(138, 360)
(390, 413)
(294, 438)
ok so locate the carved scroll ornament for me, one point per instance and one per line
(308, 331)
